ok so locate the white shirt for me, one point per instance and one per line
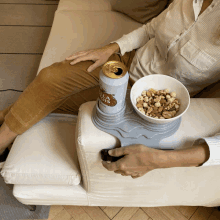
(183, 45)
(178, 43)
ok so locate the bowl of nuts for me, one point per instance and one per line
(159, 99)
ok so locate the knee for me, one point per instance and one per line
(54, 72)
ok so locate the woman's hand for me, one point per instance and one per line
(138, 160)
(99, 56)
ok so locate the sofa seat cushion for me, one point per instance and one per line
(45, 154)
(85, 5)
(82, 32)
(51, 195)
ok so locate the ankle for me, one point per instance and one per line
(7, 132)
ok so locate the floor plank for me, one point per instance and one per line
(77, 212)
(126, 213)
(155, 213)
(172, 213)
(95, 213)
(102, 207)
(187, 211)
(37, 15)
(64, 215)
(215, 215)
(202, 213)
(29, 2)
(55, 210)
(140, 215)
(18, 70)
(16, 39)
(111, 212)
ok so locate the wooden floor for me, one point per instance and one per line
(120, 213)
(30, 21)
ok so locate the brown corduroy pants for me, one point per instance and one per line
(59, 88)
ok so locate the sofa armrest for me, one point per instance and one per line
(45, 154)
(160, 187)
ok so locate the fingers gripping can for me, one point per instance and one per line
(113, 82)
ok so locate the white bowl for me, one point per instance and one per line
(161, 82)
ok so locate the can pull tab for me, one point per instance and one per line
(114, 69)
(120, 71)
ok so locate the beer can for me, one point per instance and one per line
(113, 82)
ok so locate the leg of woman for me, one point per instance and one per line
(71, 106)
(53, 90)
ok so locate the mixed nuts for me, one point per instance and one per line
(158, 104)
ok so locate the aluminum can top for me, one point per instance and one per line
(114, 69)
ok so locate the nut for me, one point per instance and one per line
(146, 99)
(173, 94)
(171, 100)
(177, 106)
(157, 104)
(167, 114)
(160, 109)
(157, 99)
(148, 94)
(144, 93)
(150, 110)
(145, 105)
(142, 111)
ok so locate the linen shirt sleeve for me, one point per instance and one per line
(214, 149)
(142, 35)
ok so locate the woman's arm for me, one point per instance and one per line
(142, 35)
(192, 157)
(139, 159)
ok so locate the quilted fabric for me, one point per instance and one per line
(45, 154)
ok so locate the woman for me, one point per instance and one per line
(173, 43)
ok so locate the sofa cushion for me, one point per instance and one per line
(211, 91)
(85, 5)
(51, 195)
(80, 33)
(140, 10)
(45, 154)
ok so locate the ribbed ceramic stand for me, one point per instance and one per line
(130, 128)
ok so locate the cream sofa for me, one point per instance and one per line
(57, 161)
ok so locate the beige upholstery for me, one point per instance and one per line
(49, 144)
(162, 187)
(80, 25)
(189, 186)
(74, 31)
(85, 5)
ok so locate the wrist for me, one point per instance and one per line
(192, 157)
(114, 48)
